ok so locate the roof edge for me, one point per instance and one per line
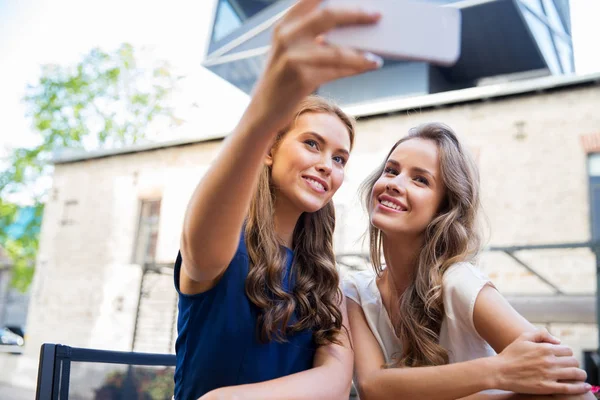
(498, 90)
(136, 148)
(380, 107)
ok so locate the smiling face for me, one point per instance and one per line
(408, 194)
(307, 165)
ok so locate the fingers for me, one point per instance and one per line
(319, 64)
(340, 58)
(540, 336)
(299, 51)
(561, 351)
(571, 374)
(570, 388)
(565, 362)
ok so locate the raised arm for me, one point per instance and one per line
(454, 381)
(329, 379)
(296, 66)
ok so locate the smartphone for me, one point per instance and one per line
(407, 30)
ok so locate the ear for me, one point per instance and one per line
(269, 158)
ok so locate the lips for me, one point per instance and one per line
(316, 183)
(392, 203)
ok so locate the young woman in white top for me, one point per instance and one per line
(429, 307)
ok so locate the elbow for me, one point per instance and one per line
(186, 240)
(342, 393)
(368, 389)
(338, 384)
(345, 390)
(185, 243)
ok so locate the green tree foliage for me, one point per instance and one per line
(107, 100)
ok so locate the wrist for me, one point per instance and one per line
(492, 376)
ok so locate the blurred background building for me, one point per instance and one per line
(506, 40)
(111, 226)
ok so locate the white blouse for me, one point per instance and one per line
(461, 284)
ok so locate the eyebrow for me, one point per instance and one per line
(417, 169)
(322, 140)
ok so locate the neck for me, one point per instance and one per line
(285, 218)
(401, 257)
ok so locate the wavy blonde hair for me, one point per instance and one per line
(316, 296)
(452, 236)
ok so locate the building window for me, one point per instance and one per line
(147, 233)
(226, 21)
(231, 14)
(594, 176)
(68, 212)
(548, 26)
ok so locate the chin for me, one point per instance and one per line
(310, 205)
(312, 208)
(386, 225)
(377, 222)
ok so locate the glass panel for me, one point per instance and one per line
(544, 40)
(147, 238)
(91, 381)
(226, 20)
(563, 7)
(565, 52)
(594, 164)
(563, 47)
(553, 16)
(595, 206)
(534, 5)
(231, 14)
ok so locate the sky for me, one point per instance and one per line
(37, 32)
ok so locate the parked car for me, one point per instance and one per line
(18, 330)
(10, 342)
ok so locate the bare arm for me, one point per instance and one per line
(500, 325)
(518, 396)
(434, 383)
(297, 65)
(496, 321)
(519, 366)
(329, 379)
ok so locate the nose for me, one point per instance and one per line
(325, 166)
(396, 185)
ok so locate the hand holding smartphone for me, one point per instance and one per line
(408, 30)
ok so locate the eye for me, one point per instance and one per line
(312, 143)
(390, 171)
(340, 160)
(422, 180)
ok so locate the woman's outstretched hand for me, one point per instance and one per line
(300, 61)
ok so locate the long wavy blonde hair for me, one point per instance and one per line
(452, 236)
(316, 296)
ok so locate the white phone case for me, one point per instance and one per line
(408, 30)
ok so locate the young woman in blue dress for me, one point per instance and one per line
(261, 315)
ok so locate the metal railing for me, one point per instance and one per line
(55, 360)
(54, 370)
(571, 303)
(355, 260)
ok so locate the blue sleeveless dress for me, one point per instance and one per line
(218, 343)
